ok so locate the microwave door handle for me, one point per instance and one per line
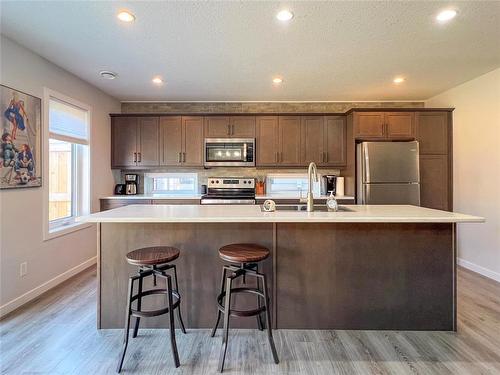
(244, 151)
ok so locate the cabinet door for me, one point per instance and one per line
(369, 125)
(400, 125)
(123, 142)
(192, 128)
(289, 140)
(217, 127)
(267, 141)
(335, 141)
(171, 140)
(149, 142)
(243, 127)
(313, 140)
(432, 132)
(434, 181)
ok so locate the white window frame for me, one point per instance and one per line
(148, 183)
(63, 226)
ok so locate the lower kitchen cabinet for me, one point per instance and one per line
(435, 182)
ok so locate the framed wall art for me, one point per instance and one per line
(20, 143)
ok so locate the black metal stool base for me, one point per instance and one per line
(224, 303)
(173, 298)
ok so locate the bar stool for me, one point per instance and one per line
(244, 259)
(152, 261)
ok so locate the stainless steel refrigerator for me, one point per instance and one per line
(387, 173)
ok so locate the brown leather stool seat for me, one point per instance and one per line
(152, 256)
(243, 253)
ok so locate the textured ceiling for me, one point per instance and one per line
(231, 50)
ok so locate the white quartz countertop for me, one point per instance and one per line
(153, 196)
(296, 197)
(191, 197)
(252, 214)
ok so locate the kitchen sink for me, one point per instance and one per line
(303, 207)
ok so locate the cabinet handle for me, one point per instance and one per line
(135, 157)
(232, 129)
(228, 129)
(184, 157)
(140, 157)
(179, 157)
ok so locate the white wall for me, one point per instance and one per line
(476, 168)
(21, 216)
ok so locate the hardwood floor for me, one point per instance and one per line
(56, 334)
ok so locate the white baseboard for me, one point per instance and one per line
(479, 269)
(32, 294)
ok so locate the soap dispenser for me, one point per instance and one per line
(331, 203)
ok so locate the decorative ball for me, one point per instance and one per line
(24, 178)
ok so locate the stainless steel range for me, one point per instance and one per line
(229, 190)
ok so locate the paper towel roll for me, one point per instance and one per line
(340, 187)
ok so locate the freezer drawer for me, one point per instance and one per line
(383, 162)
(390, 194)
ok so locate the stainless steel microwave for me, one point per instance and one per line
(229, 152)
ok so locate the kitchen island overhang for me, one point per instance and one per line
(376, 267)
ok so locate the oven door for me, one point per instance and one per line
(231, 152)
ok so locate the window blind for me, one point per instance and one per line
(68, 122)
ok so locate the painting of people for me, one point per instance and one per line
(20, 143)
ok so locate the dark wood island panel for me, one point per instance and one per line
(365, 276)
(397, 276)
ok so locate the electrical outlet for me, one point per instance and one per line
(23, 269)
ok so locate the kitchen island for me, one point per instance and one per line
(371, 267)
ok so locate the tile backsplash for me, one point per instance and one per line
(204, 174)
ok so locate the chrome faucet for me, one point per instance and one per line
(311, 173)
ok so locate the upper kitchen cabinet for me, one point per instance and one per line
(400, 125)
(217, 126)
(313, 142)
(243, 126)
(324, 140)
(192, 133)
(181, 141)
(384, 125)
(278, 141)
(148, 150)
(134, 142)
(432, 132)
(335, 152)
(230, 126)
(289, 141)
(267, 140)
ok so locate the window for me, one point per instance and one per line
(171, 183)
(68, 162)
(293, 184)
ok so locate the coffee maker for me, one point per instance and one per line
(131, 181)
(329, 184)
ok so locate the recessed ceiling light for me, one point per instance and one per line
(398, 80)
(157, 80)
(277, 80)
(284, 15)
(108, 74)
(446, 15)
(125, 16)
